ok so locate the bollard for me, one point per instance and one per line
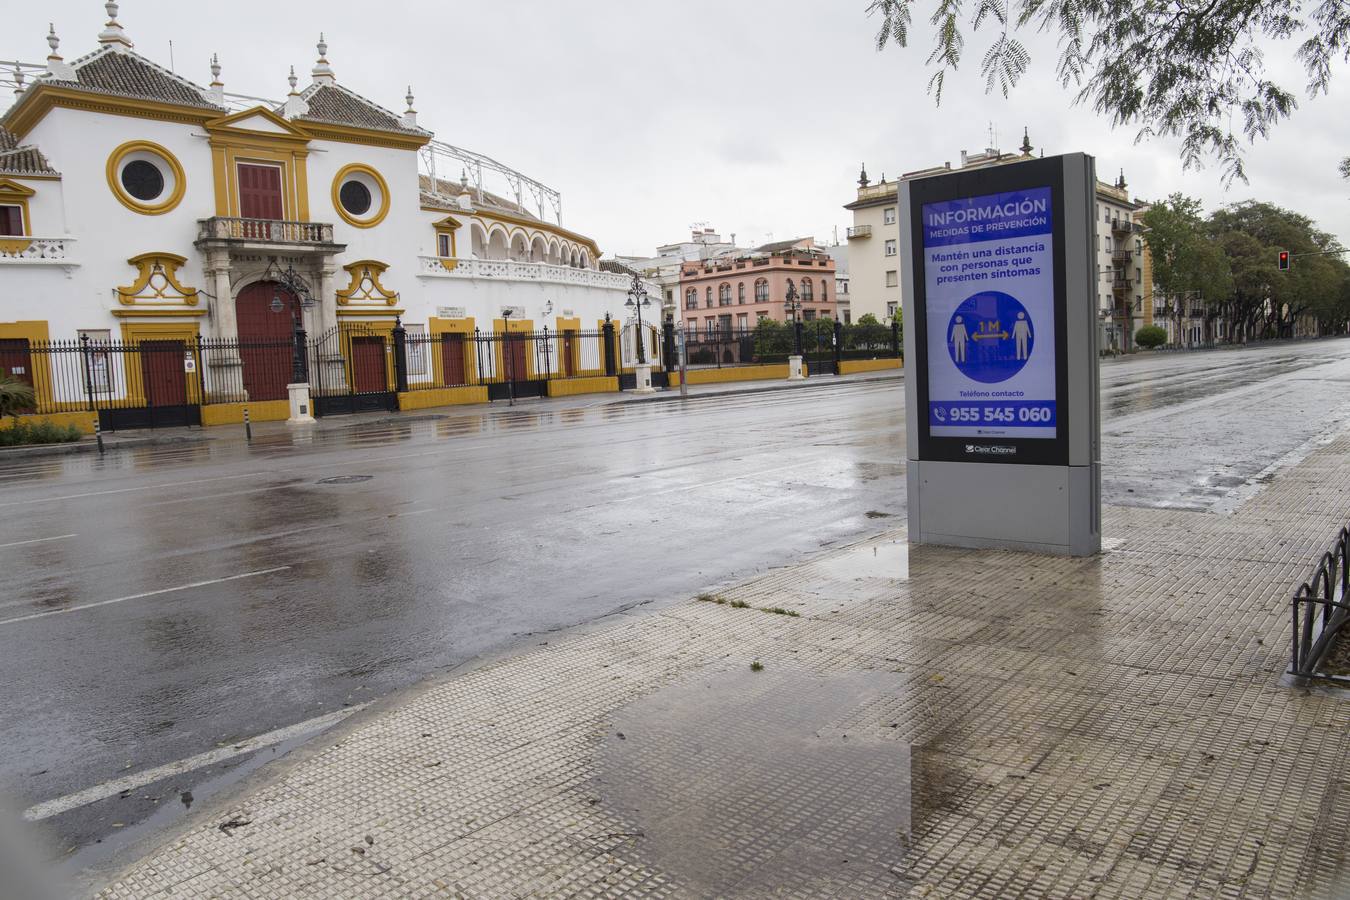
(248, 427)
(98, 435)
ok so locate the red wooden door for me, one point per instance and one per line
(260, 192)
(162, 373)
(16, 361)
(569, 351)
(265, 343)
(452, 358)
(368, 366)
(515, 362)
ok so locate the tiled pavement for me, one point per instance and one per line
(933, 723)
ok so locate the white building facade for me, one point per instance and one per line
(138, 206)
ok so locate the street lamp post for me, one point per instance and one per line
(792, 304)
(642, 372)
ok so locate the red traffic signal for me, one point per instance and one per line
(1284, 260)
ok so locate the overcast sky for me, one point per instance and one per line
(750, 117)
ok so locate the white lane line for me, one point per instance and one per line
(128, 490)
(58, 805)
(181, 587)
(59, 537)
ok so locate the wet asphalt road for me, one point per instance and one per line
(165, 601)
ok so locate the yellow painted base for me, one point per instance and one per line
(854, 366)
(83, 420)
(451, 396)
(258, 411)
(570, 387)
(736, 373)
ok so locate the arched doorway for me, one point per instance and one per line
(266, 346)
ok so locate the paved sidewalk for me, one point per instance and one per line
(932, 723)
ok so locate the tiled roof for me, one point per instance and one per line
(20, 159)
(437, 198)
(335, 105)
(127, 74)
(613, 265)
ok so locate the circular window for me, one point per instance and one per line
(143, 180)
(146, 178)
(355, 198)
(360, 196)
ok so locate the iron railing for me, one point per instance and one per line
(268, 231)
(1320, 609)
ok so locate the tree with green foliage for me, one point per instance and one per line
(867, 319)
(772, 339)
(1150, 337)
(1182, 68)
(1266, 302)
(1185, 261)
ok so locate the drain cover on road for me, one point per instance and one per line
(345, 479)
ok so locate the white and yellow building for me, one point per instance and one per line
(136, 205)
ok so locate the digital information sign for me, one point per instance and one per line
(989, 269)
(1001, 346)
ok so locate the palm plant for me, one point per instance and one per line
(15, 396)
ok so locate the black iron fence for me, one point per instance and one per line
(149, 383)
(509, 363)
(1320, 609)
(822, 343)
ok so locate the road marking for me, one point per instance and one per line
(58, 805)
(181, 587)
(59, 537)
(127, 490)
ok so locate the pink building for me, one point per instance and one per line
(732, 293)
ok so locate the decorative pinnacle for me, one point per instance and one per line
(322, 47)
(1026, 142)
(111, 8)
(215, 69)
(112, 32)
(18, 80)
(52, 40)
(292, 79)
(409, 98)
(862, 176)
(323, 72)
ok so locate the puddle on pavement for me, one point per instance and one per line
(746, 783)
(886, 560)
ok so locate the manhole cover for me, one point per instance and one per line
(345, 479)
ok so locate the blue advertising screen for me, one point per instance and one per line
(989, 278)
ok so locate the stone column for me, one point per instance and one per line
(223, 367)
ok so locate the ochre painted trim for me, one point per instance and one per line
(370, 221)
(359, 271)
(539, 224)
(14, 194)
(83, 420)
(382, 312)
(226, 157)
(770, 371)
(138, 312)
(350, 134)
(230, 125)
(258, 411)
(570, 387)
(135, 332)
(41, 99)
(443, 396)
(150, 265)
(853, 366)
(148, 209)
(34, 331)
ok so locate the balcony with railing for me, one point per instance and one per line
(36, 251)
(1123, 226)
(1122, 285)
(237, 230)
(858, 232)
(1122, 257)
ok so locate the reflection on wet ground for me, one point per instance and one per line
(744, 783)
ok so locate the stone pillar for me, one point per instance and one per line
(795, 369)
(643, 379)
(222, 311)
(302, 413)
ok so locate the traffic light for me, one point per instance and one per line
(1284, 260)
